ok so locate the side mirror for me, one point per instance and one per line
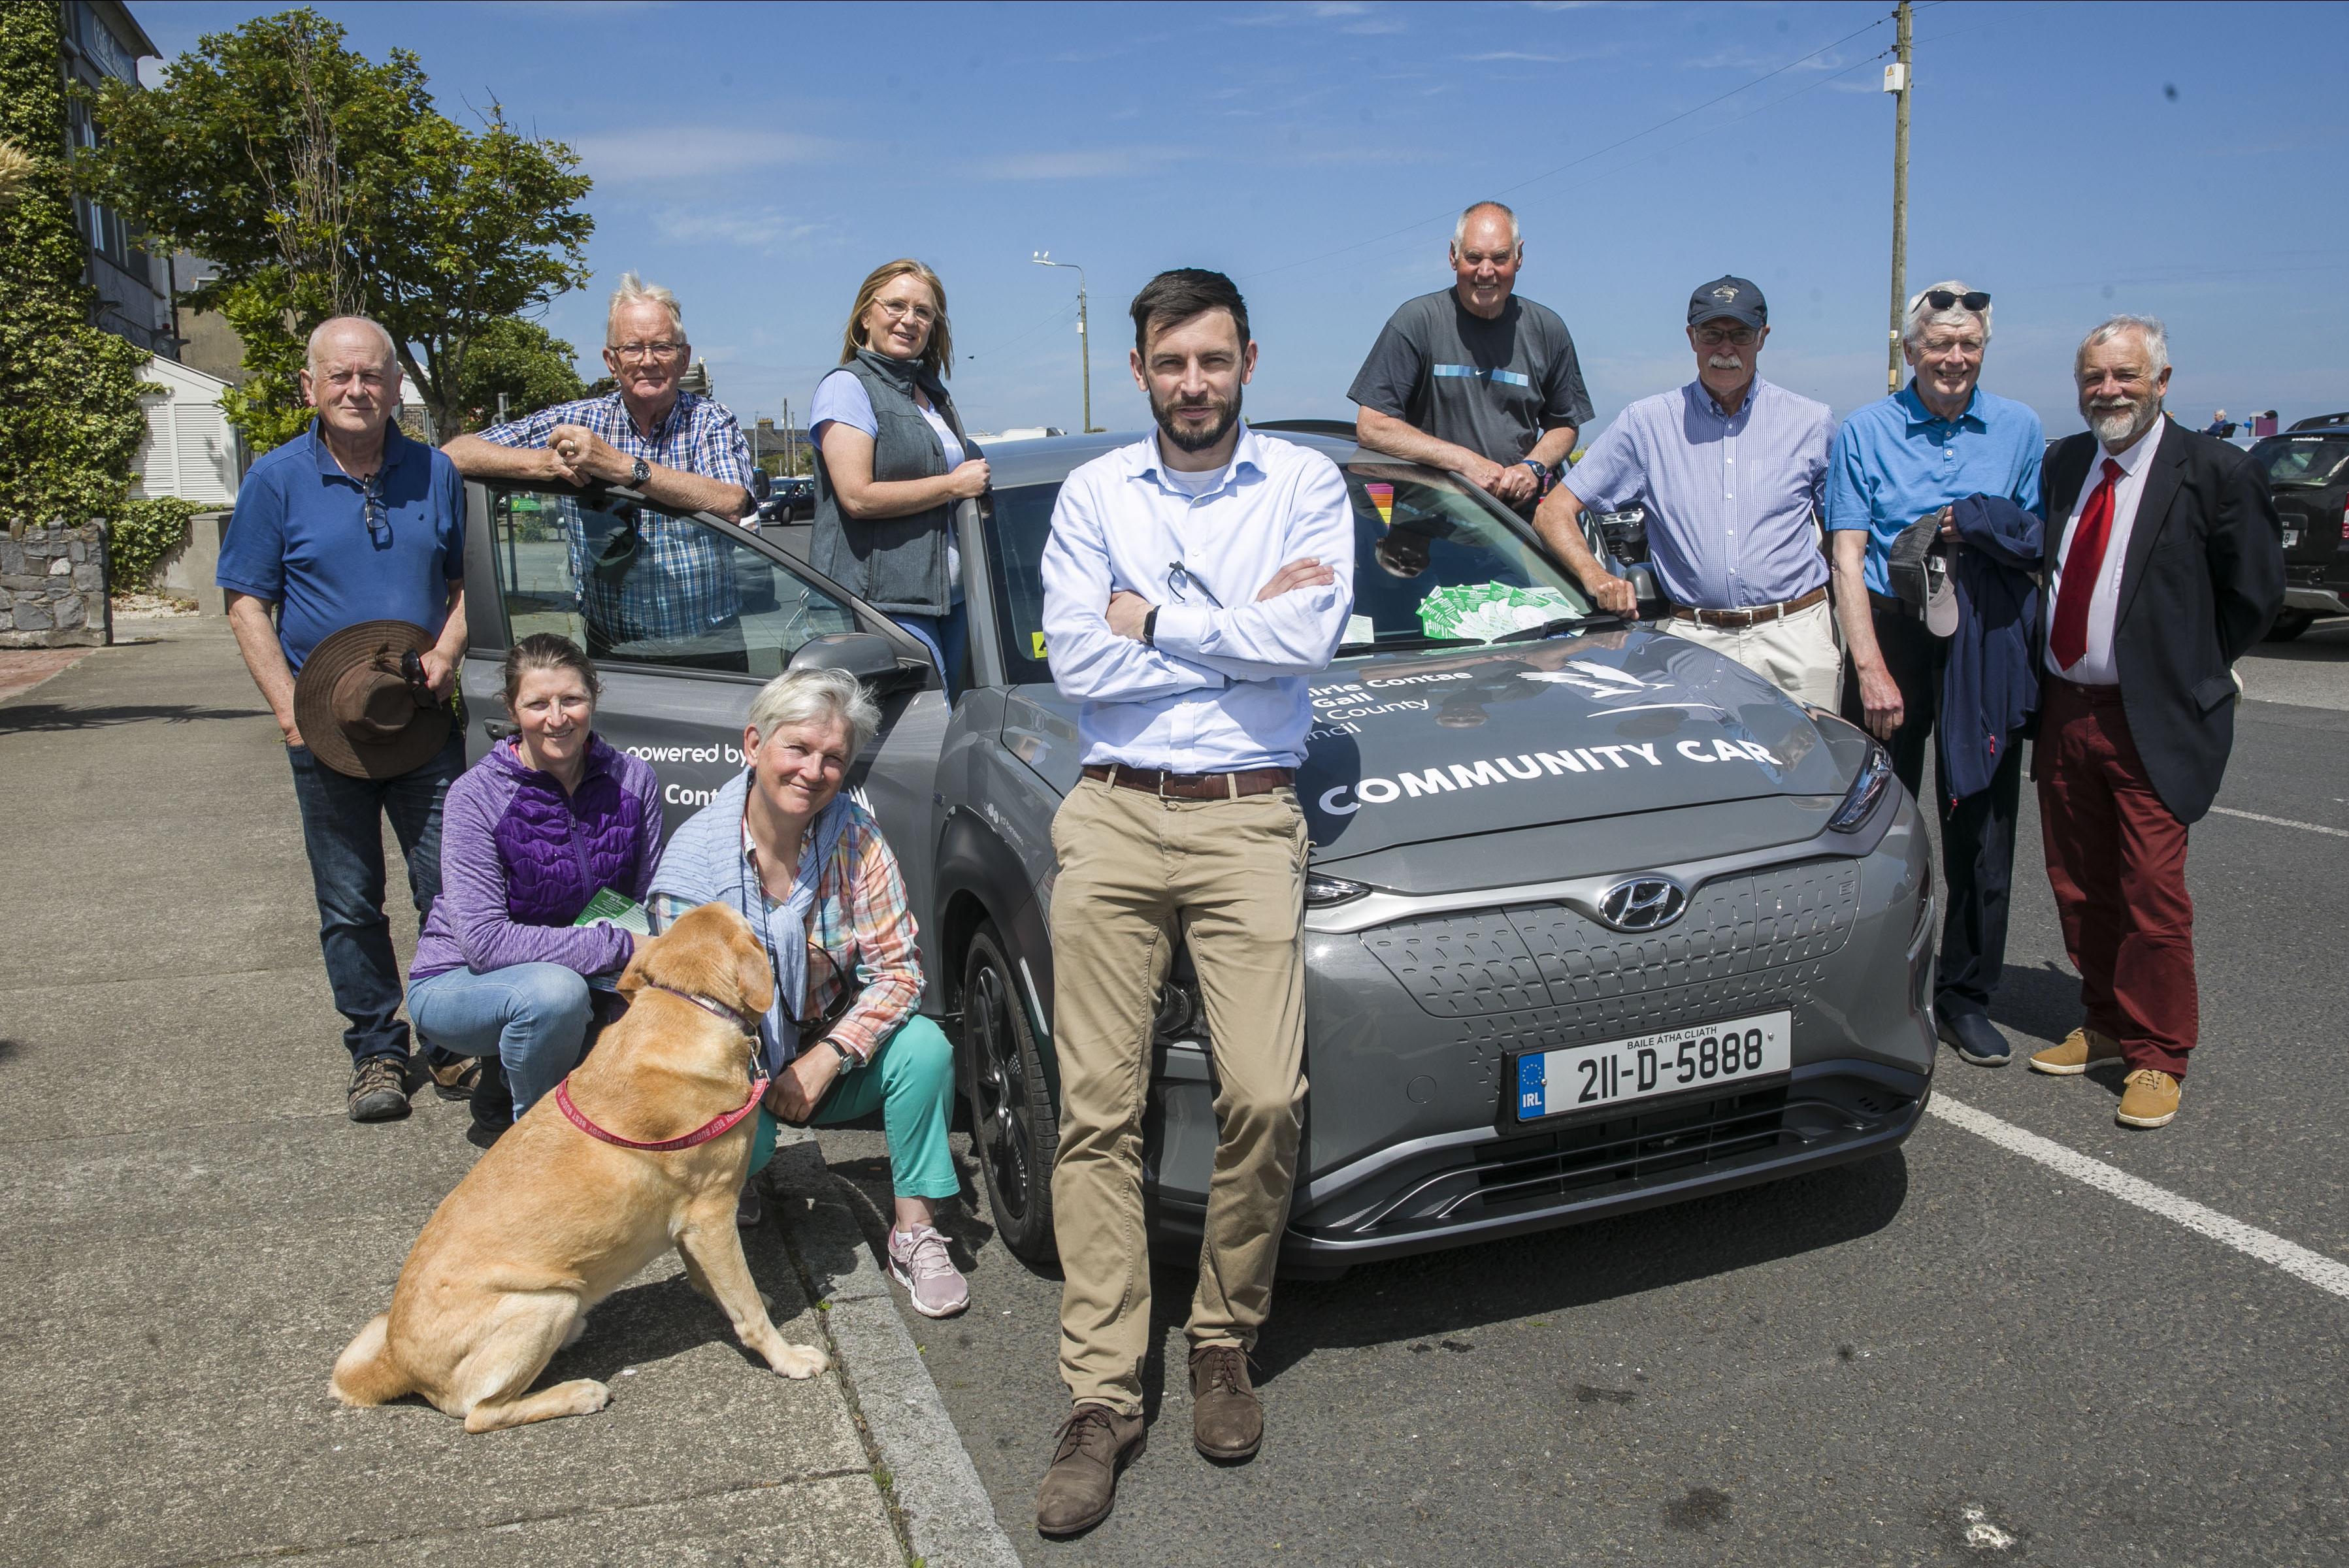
(1650, 598)
(868, 655)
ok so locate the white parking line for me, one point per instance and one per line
(2281, 821)
(2294, 1259)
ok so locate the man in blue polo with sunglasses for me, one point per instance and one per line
(350, 522)
(1895, 464)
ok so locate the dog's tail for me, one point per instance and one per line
(366, 1373)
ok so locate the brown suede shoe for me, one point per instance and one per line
(1081, 1487)
(2081, 1048)
(1226, 1421)
(2149, 1100)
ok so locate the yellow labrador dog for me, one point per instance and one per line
(645, 1148)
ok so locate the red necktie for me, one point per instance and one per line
(2082, 566)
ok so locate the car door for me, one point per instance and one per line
(686, 617)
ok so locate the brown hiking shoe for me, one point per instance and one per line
(1078, 1490)
(2150, 1098)
(2081, 1048)
(1226, 1421)
(379, 1089)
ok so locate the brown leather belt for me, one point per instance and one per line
(1759, 615)
(1193, 786)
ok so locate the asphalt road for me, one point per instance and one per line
(1951, 1354)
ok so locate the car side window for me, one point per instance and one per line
(1023, 521)
(633, 584)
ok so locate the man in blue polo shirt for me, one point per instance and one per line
(352, 521)
(1937, 441)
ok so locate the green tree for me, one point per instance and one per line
(321, 183)
(530, 366)
(70, 418)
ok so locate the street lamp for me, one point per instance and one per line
(1044, 258)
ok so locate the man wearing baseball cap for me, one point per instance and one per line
(355, 536)
(1731, 470)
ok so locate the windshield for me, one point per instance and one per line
(2302, 462)
(1436, 562)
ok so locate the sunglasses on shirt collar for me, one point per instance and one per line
(1942, 299)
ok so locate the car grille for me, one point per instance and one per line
(1542, 976)
(1630, 1148)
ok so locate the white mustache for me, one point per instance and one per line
(1729, 362)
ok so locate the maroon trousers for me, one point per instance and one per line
(2117, 860)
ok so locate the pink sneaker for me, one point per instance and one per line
(919, 1261)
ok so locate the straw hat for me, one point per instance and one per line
(362, 703)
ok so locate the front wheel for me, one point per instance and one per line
(1014, 1129)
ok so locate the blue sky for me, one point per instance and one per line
(2176, 160)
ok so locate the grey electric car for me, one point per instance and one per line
(1596, 920)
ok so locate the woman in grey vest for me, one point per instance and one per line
(891, 461)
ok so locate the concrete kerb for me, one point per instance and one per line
(949, 1519)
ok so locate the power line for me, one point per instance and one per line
(1600, 152)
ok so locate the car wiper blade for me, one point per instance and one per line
(1563, 624)
(1407, 644)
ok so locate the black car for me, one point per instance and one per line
(2307, 471)
(789, 499)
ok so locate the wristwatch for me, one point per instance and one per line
(1150, 628)
(642, 471)
(1540, 468)
(849, 1060)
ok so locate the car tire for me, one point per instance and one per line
(2291, 624)
(1015, 1128)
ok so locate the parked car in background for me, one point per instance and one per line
(789, 499)
(1595, 918)
(2307, 471)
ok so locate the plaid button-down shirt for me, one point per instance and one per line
(681, 582)
(861, 919)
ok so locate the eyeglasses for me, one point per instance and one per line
(1715, 337)
(1179, 577)
(637, 353)
(379, 514)
(897, 310)
(1942, 299)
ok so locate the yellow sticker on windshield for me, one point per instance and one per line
(1036, 642)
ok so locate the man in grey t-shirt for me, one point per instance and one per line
(1472, 377)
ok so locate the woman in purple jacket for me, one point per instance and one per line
(529, 835)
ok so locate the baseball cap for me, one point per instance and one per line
(1739, 299)
(1919, 567)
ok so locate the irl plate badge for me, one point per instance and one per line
(1533, 1084)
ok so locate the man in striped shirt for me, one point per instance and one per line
(648, 586)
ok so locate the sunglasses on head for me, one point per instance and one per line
(1942, 299)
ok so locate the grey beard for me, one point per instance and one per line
(2118, 426)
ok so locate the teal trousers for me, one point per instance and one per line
(911, 1080)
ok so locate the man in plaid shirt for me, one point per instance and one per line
(654, 587)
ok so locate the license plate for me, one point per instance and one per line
(1583, 1077)
(2291, 537)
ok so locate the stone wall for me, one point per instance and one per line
(53, 588)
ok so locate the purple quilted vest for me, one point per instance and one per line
(557, 852)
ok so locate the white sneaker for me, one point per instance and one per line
(919, 1261)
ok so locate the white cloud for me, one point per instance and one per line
(768, 230)
(669, 153)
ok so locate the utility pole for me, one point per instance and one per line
(1896, 82)
(790, 443)
(1044, 258)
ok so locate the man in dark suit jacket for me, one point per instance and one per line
(2164, 564)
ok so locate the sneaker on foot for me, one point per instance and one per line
(453, 1078)
(379, 1089)
(1973, 1036)
(1081, 1487)
(1226, 1419)
(2081, 1048)
(2148, 1099)
(919, 1261)
(749, 1209)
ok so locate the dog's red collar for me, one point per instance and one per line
(716, 1127)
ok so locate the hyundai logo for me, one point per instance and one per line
(1643, 903)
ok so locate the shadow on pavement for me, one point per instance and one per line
(26, 717)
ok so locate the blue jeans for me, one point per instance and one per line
(911, 1081)
(948, 637)
(342, 828)
(531, 1017)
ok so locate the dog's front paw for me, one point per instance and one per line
(799, 1361)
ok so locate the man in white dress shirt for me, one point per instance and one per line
(1194, 583)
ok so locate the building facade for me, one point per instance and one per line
(103, 41)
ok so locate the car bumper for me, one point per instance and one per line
(2323, 601)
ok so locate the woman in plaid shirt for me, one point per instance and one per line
(808, 867)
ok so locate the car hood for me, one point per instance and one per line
(1413, 747)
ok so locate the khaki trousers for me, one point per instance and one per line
(1796, 652)
(1138, 873)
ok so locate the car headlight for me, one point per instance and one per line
(1868, 787)
(1321, 892)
